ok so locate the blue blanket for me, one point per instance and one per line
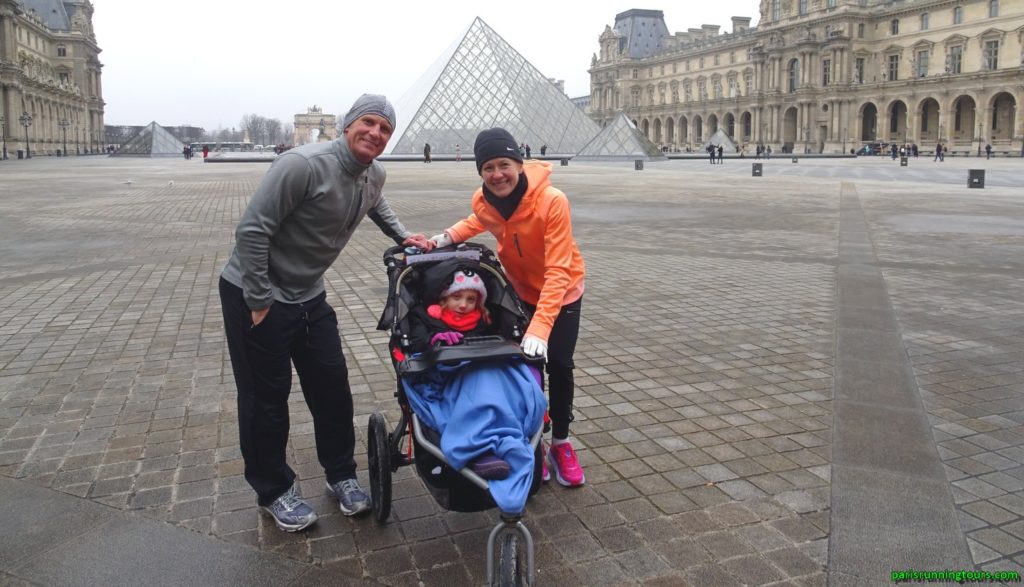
(479, 408)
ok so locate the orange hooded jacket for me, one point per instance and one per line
(535, 246)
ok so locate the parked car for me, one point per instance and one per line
(872, 149)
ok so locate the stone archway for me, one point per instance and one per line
(789, 137)
(314, 125)
(684, 131)
(929, 116)
(730, 127)
(869, 123)
(746, 124)
(1004, 117)
(964, 114)
(657, 131)
(712, 124)
(645, 127)
(896, 126)
(698, 129)
(670, 131)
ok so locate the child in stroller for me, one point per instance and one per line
(473, 398)
(485, 410)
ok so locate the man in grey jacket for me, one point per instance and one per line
(276, 314)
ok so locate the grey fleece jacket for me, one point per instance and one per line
(300, 218)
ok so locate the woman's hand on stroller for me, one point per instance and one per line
(535, 347)
(448, 337)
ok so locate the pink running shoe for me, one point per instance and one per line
(562, 459)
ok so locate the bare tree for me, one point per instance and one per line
(256, 125)
(289, 133)
(273, 129)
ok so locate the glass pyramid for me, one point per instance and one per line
(481, 82)
(620, 140)
(152, 141)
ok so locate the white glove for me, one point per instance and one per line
(535, 347)
(441, 240)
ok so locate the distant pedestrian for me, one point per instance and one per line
(426, 153)
(768, 152)
(913, 148)
(543, 149)
(721, 159)
(711, 153)
(988, 152)
(527, 150)
(206, 151)
(458, 152)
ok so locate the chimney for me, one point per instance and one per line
(740, 24)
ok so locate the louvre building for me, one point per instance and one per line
(50, 71)
(822, 76)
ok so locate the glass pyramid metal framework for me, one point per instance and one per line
(481, 82)
(620, 139)
(152, 141)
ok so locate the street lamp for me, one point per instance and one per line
(3, 131)
(26, 120)
(807, 138)
(844, 141)
(64, 123)
(77, 152)
(980, 125)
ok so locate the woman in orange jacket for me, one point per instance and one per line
(531, 221)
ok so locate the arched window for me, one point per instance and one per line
(794, 75)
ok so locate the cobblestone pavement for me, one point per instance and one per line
(705, 366)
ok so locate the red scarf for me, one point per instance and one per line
(467, 321)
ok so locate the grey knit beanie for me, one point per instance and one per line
(370, 104)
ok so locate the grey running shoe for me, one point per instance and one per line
(291, 513)
(351, 498)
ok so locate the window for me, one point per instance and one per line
(860, 31)
(802, 7)
(716, 87)
(955, 60)
(636, 98)
(924, 21)
(636, 73)
(662, 70)
(894, 26)
(661, 95)
(859, 70)
(62, 51)
(64, 78)
(732, 57)
(958, 15)
(826, 71)
(716, 59)
(924, 116)
(922, 63)
(675, 94)
(776, 10)
(993, 8)
(794, 75)
(687, 65)
(748, 81)
(701, 63)
(674, 64)
(990, 55)
(894, 68)
(830, 4)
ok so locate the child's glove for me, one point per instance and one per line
(449, 338)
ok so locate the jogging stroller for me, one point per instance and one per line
(414, 443)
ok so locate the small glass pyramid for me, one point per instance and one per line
(152, 141)
(481, 82)
(620, 140)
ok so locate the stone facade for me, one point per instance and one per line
(50, 70)
(314, 119)
(822, 76)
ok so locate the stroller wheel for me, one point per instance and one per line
(510, 561)
(378, 454)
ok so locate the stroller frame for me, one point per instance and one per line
(384, 451)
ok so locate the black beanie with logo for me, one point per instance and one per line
(493, 143)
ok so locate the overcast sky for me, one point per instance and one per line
(206, 63)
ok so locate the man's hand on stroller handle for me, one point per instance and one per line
(449, 337)
(418, 240)
(535, 347)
